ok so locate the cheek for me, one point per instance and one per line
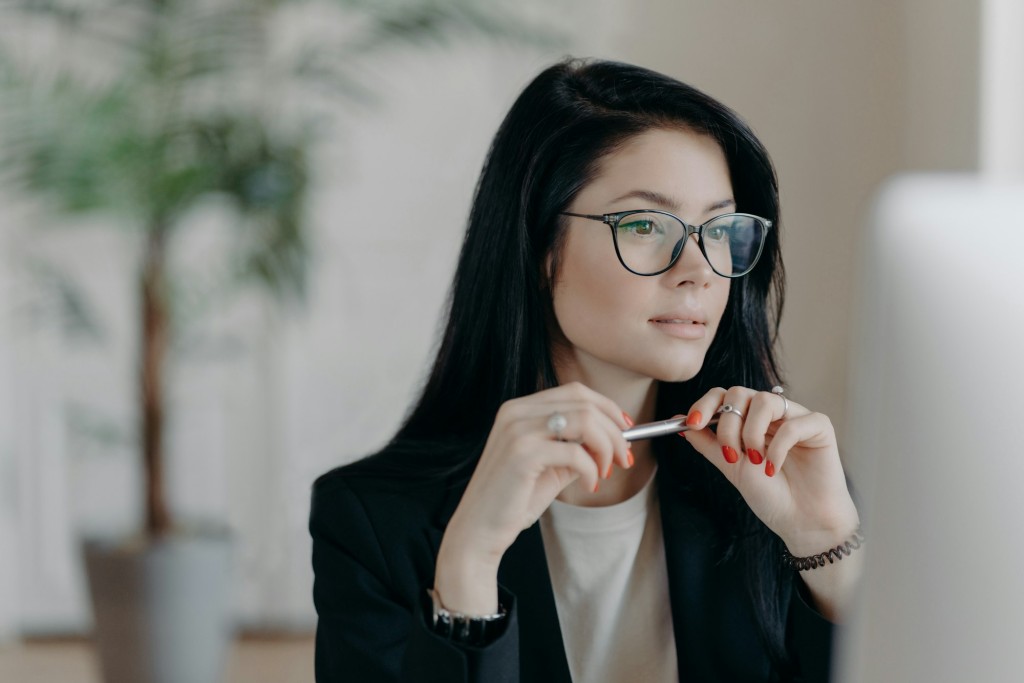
(720, 298)
(594, 299)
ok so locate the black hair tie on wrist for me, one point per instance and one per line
(801, 564)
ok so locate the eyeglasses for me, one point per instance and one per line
(649, 242)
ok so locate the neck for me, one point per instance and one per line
(634, 394)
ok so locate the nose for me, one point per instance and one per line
(691, 267)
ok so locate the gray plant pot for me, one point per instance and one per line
(161, 608)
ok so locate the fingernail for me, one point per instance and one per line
(596, 485)
(755, 457)
(694, 418)
(627, 418)
(629, 457)
(609, 472)
(730, 454)
(682, 434)
(769, 469)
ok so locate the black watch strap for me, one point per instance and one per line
(465, 629)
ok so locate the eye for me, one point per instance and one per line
(641, 227)
(716, 233)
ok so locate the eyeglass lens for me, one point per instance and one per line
(649, 242)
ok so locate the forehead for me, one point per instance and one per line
(688, 167)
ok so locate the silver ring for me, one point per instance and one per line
(730, 408)
(777, 390)
(556, 423)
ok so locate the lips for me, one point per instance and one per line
(680, 317)
(687, 323)
(681, 326)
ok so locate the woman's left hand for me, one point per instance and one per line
(784, 462)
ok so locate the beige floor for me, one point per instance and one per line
(253, 660)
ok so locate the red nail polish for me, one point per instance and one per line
(755, 457)
(627, 418)
(596, 485)
(730, 454)
(769, 469)
(609, 472)
(694, 418)
(629, 457)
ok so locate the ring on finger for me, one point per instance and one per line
(556, 423)
(730, 408)
(777, 390)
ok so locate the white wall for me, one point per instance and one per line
(942, 49)
(1002, 89)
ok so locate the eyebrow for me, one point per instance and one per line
(667, 202)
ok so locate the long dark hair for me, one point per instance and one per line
(496, 343)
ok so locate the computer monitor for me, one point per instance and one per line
(937, 426)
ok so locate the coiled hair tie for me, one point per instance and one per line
(801, 564)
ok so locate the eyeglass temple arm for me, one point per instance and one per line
(604, 218)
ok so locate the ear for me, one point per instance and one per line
(549, 268)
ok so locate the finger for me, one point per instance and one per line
(781, 412)
(574, 457)
(763, 409)
(620, 449)
(730, 424)
(577, 391)
(704, 408)
(600, 424)
(785, 408)
(571, 393)
(588, 426)
(811, 430)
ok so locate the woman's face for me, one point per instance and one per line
(658, 326)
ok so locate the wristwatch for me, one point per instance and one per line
(466, 629)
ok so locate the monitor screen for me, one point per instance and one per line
(937, 433)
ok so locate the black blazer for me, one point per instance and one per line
(375, 542)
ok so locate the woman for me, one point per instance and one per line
(509, 531)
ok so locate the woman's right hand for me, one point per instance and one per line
(523, 467)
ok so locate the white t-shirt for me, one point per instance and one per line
(608, 572)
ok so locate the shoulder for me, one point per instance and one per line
(384, 486)
(382, 516)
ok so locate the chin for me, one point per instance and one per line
(680, 376)
(680, 372)
(680, 369)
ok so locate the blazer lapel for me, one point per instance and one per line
(716, 638)
(687, 560)
(524, 573)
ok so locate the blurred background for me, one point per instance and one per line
(270, 385)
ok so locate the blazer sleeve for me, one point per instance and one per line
(369, 627)
(809, 637)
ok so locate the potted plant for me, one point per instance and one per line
(148, 109)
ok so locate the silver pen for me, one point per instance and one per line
(650, 430)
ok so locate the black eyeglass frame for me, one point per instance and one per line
(612, 220)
